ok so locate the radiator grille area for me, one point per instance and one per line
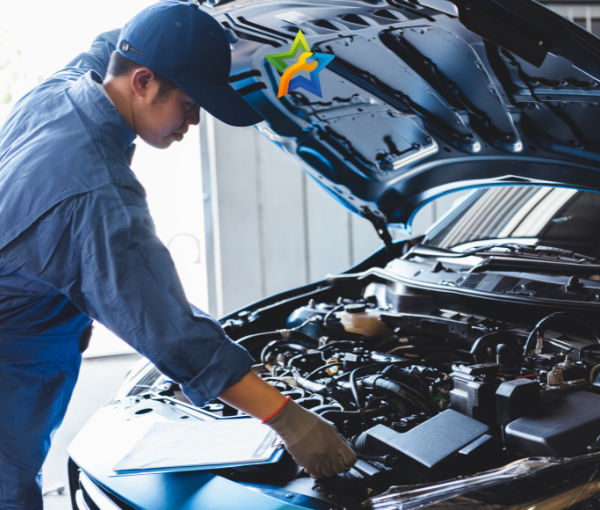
(554, 291)
(507, 284)
(472, 281)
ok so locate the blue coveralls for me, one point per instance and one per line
(77, 243)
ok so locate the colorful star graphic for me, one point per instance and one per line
(290, 81)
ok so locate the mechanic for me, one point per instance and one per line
(77, 242)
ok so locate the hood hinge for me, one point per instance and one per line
(380, 227)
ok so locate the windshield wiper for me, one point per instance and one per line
(516, 250)
(537, 251)
(523, 263)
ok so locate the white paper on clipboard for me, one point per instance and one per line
(170, 445)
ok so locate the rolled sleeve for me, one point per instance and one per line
(212, 379)
(128, 282)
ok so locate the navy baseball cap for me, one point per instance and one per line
(188, 46)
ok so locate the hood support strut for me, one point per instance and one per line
(380, 225)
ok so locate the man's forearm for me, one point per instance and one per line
(253, 396)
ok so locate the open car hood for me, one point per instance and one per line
(424, 97)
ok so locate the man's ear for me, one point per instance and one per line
(142, 82)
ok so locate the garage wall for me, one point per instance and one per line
(585, 14)
(268, 226)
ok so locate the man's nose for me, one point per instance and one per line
(193, 118)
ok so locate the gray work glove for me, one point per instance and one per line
(313, 442)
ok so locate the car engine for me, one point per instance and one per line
(425, 394)
(424, 397)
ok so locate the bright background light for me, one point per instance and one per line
(37, 38)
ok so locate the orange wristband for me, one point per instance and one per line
(287, 399)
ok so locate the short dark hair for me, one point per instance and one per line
(119, 65)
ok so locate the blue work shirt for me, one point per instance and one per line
(77, 241)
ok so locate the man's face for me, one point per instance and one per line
(165, 119)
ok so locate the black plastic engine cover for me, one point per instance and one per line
(474, 392)
(516, 398)
(564, 428)
(446, 445)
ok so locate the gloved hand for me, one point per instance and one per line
(313, 442)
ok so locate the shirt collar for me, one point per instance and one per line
(100, 110)
(103, 90)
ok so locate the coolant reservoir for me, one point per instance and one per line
(357, 318)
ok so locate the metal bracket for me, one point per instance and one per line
(380, 227)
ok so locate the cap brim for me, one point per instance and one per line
(223, 102)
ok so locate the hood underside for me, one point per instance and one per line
(424, 98)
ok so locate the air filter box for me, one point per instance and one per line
(563, 428)
(515, 399)
(447, 445)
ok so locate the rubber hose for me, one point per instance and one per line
(494, 339)
(384, 386)
(311, 386)
(278, 344)
(251, 342)
(398, 391)
(336, 414)
(541, 327)
(326, 408)
(360, 443)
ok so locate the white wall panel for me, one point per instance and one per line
(269, 227)
(283, 224)
(328, 233)
(239, 220)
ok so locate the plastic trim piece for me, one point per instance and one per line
(95, 494)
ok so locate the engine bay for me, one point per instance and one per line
(425, 394)
(425, 397)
